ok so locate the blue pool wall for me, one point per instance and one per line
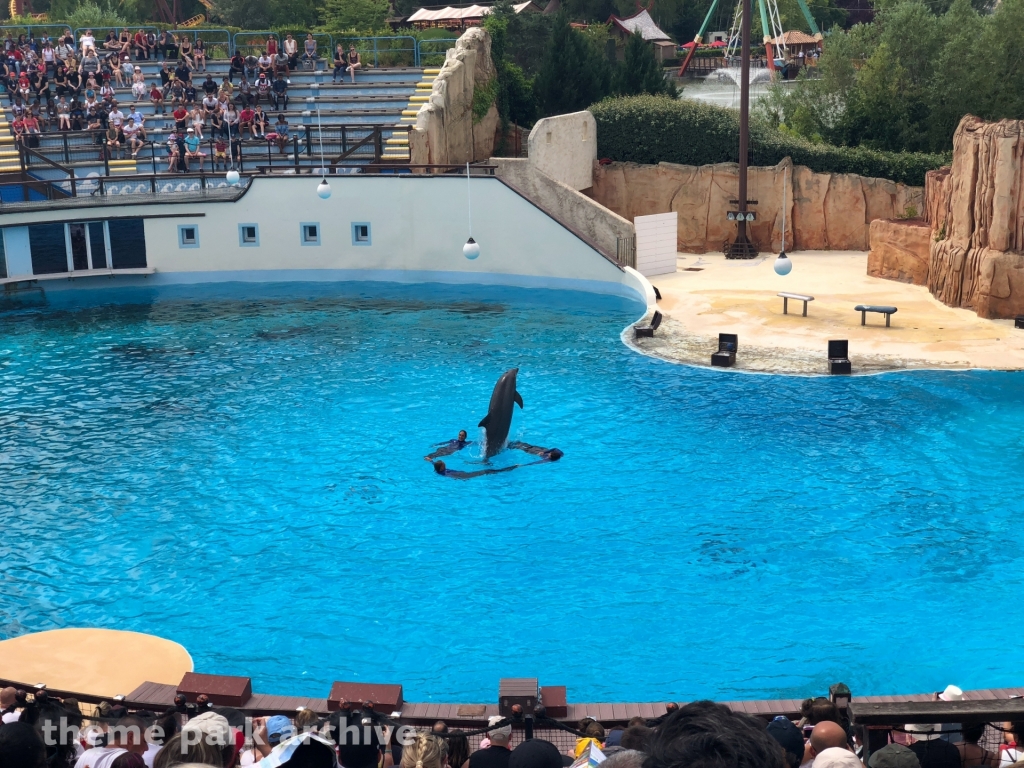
(416, 227)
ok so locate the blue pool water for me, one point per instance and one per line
(243, 473)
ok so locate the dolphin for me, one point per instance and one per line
(499, 412)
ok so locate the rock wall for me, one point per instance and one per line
(976, 211)
(572, 209)
(445, 132)
(564, 147)
(900, 250)
(822, 210)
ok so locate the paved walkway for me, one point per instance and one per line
(709, 295)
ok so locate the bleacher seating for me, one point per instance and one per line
(384, 97)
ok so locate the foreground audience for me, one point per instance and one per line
(698, 735)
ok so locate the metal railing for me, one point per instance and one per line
(37, 30)
(432, 57)
(254, 43)
(216, 41)
(625, 251)
(389, 51)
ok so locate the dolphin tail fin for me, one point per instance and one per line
(484, 421)
(519, 399)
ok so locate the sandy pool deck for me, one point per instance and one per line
(740, 297)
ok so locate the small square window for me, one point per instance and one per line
(248, 235)
(360, 233)
(310, 233)
(188, 236)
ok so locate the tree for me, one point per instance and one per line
(574, 73)
(265, 14)
(640, 71)
(355, 14)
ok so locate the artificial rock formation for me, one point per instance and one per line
(976, 211)
(900, 250)
(445, 132)
(822, 210)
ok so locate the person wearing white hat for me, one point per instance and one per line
(951, 731)
(837, 757)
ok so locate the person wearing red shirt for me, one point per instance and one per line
(245, 121)
(180, 116)
(157, 97)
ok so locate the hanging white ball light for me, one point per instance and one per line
(471, 249)
(323, 189)
(783, 266)
(232, 178)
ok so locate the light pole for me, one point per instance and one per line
(232, 174)
(323, 189)
(742, 248)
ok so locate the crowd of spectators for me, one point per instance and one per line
(43, 732)
(64, 85)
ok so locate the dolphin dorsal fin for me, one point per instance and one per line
(519, 399)
(484, 421)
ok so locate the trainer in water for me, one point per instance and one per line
(449, 447)
(499, 413)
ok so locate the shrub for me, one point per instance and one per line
(653, 129)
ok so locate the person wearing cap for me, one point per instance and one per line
(279, 728)
(931, 750)
(790, 739)
(893, 756)
(192, 152)
(496, 755)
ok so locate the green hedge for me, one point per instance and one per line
(653, 129)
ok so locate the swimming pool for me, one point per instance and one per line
(243, 473)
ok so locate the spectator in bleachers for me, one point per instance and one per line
(226, 91)
(340, 62)
(140, 121)
(712, 736)
(306, 720)
(893, 756)
(931, 750)
(138, 85)
(90, 64)
(49, 58)
(291, 50)
(497, 754)
(21, 747)
(74, 84)
(216, 122)
(309, 52)
(971, 753)
(458, 750)
(281, 135)
(636, 737)
(231, 120)
(88, 43)
(281, 64)
(63, 115)
(595, 735)
(199, 53)
(626, 758)
(252, 66)
(353, 62)
(535, 753)
(180, 115)
(64, 50)
(32, 130)
(183, 72)
(113, 150)
(1011, 754)
(614, 737)
(179, 752)
(265, 65)
(818, 710)
(185, 52)
(237, 64)
(427, 751)
(837, 757)
(110, 42)
(189, 94)
(259, 122)
(245, 122)
(209, 86)
(156, 98)
(173, 152)
(245, 95)
(263, 88)
(272, 46)
(790, 738)
(175, 92)
(140, 45)
(825, 735)
(9, 705)
(198, 121)
(125, 40)
(280, 88)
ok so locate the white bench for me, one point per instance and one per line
(797, 297)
